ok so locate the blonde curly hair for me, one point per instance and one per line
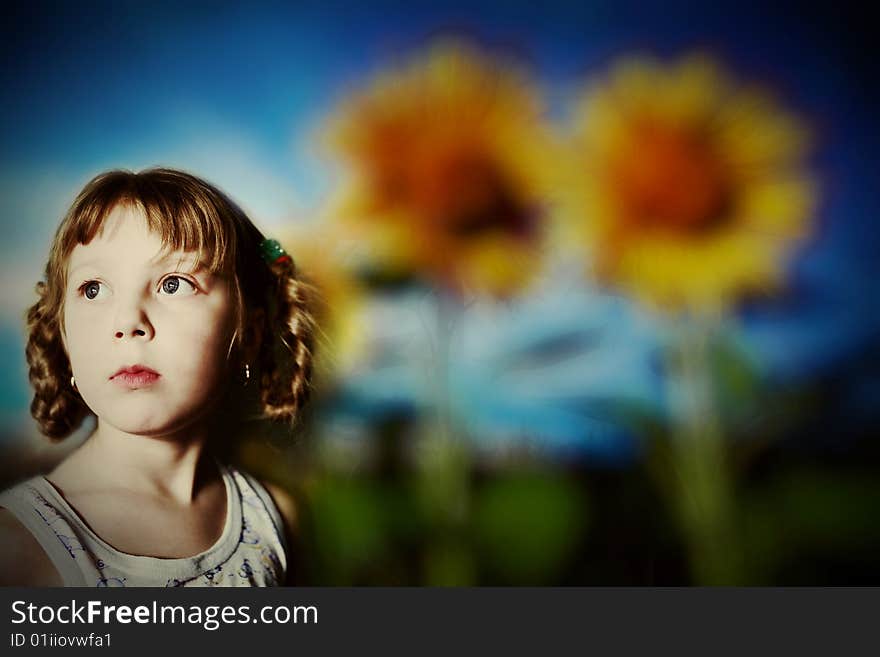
(189, 214)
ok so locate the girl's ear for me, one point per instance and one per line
(253, 335)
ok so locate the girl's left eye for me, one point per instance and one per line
(172, 285)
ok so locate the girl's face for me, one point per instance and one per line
(147, 335)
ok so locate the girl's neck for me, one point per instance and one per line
(173, 467)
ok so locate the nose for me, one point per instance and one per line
(131, 323)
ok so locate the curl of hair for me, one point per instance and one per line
(287, 348)
(56, 406)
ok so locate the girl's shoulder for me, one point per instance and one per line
(23, 562)
(280, 502)
(286, 505)
(281, 498)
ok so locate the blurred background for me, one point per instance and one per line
(596, 280)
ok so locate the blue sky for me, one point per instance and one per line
(236, 94)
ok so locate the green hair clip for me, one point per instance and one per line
(273, 252)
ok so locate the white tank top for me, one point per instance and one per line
(250, 552)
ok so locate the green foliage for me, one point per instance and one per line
(528, 525)
(348, 523)
(806, 525)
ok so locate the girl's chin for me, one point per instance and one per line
(149, 414)
(144, 429)
(154, 425)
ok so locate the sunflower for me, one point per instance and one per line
(446, 158)
(688, 189)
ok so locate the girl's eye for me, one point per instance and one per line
(90, 290)
(172, 285)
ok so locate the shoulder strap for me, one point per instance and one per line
(269, 504)
(49, 527)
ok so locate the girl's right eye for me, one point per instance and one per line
(90, 290)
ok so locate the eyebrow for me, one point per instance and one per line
(194, 260)
(187, 259)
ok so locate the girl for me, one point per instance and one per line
(165, 313)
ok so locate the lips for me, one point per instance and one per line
(135, 376)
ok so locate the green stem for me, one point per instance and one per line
(704, 482)
(447, 477)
